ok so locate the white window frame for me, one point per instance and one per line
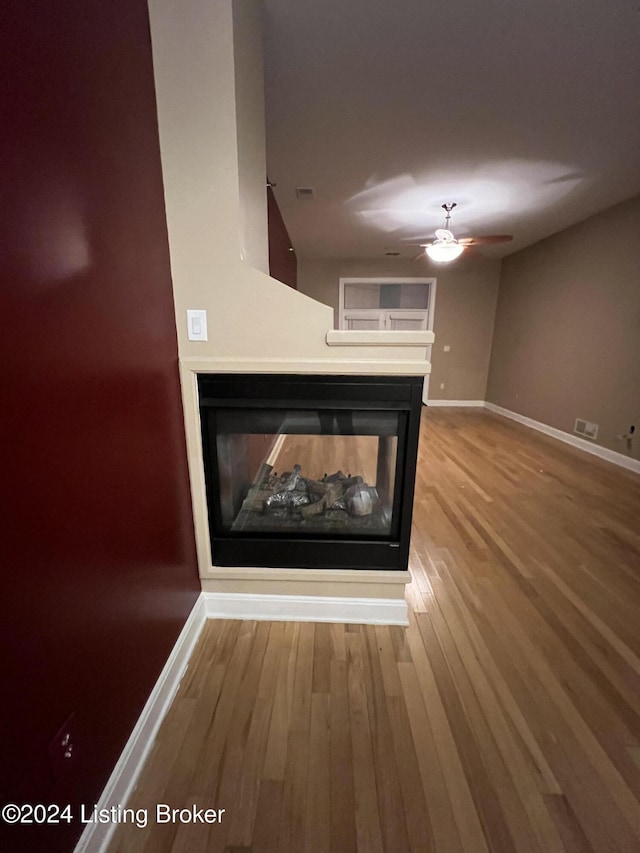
(363, 314)
(432, 282)
(409, 314)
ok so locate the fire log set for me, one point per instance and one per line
(291, 494)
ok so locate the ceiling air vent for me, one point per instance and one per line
(305, 193)
(586, 428)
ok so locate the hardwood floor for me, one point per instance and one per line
(505, 718)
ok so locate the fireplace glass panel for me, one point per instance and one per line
(309, 472)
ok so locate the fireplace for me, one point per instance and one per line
(310, 471)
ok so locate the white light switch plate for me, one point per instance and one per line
(197, 325)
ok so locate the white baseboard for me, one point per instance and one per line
(574, 440)
(306, 608)
(459, 403)
(97, 836)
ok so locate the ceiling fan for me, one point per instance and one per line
(446, 247)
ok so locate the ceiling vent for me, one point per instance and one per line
(305, 193)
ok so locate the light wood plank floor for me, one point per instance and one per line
(505, 718)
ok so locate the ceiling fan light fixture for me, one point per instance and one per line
(444, 252)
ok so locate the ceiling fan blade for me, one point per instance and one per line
(486, 240)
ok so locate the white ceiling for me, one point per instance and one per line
(524, 112)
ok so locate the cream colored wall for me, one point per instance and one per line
(193, 52)
(250, 123)
(567, 335)
(208, 90)
(250, 315)
(465, 308)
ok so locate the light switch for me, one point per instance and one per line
(446, 348)
(197, 325)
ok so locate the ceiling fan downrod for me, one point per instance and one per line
(448, 208)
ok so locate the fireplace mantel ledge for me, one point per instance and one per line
(329, 366)
(378, 338)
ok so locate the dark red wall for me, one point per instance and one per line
(98, 555)
(283, 264)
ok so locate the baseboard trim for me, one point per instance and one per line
(306, 608)
(96, 837)
(574, 440)
(459, 403)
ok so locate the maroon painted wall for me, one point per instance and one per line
(98, 555)
(283, 263)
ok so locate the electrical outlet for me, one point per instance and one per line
(63, 749)
(442, 386)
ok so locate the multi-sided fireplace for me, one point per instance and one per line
(310, 471)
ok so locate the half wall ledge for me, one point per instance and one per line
(378, 338)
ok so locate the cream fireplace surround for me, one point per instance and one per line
(349, 584)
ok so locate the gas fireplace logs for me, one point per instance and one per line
(308, 498)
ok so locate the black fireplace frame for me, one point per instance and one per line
(401, 394)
